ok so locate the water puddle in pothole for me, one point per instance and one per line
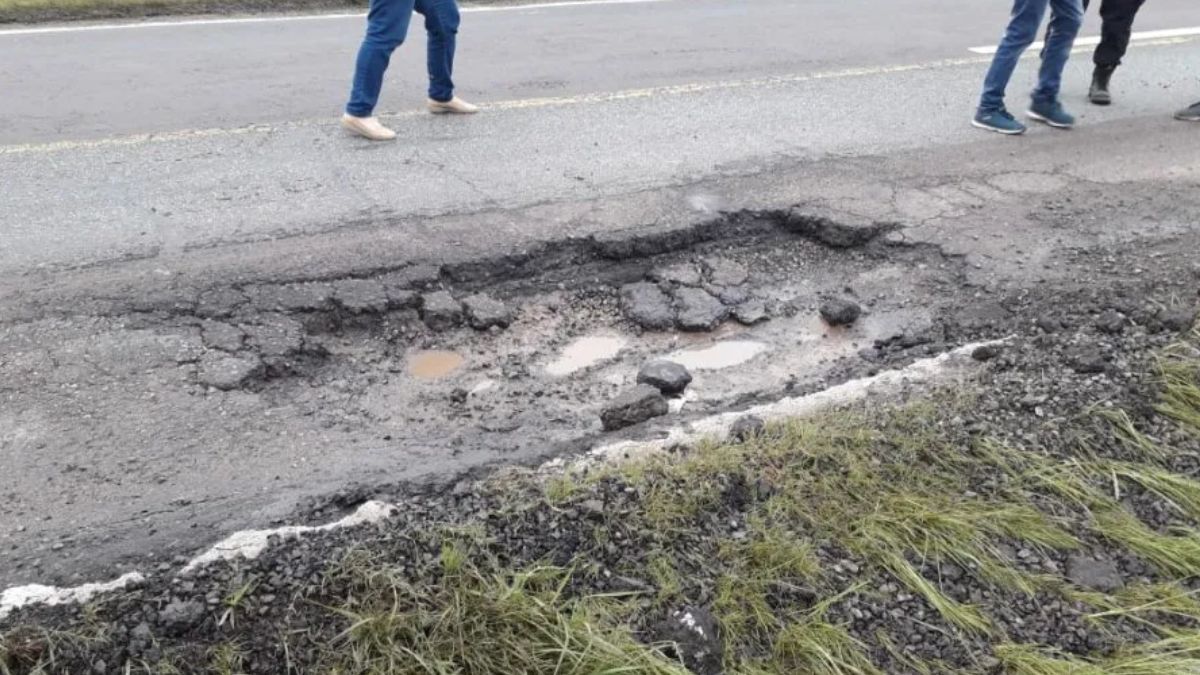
(721, 355)
(434, 364)
(586, 352)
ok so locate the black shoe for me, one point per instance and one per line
(1099, 94)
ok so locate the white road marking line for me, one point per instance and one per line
(183, 23)
(1095, 40)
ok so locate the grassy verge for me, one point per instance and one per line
(859, 542)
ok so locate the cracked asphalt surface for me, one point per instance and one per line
(610, 122)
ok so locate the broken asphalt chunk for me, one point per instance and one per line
(634, 406)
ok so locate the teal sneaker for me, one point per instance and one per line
(1189, 114)
(1052, 113)
(999, 121)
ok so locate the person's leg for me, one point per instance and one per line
(441, 23)
(1065, 20)
(387, 26)
(1118, 16)
(1021, 32)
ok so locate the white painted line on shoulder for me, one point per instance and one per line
(1095, 40)
(289, 18)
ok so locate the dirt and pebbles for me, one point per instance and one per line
(1084, 342)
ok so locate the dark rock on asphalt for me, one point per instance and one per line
(729, 295)
(746, 428)
(632, 407)
(484, 312)
(699, 311)
(1049, 324)
(682, 274)
(648, 306)
(668, 377)
(228, 372)
(440, 311)
(840, 312)
(222, 336)
(694, 632)
(179, 616)
(723, 272)
(1087, 572)
(361, 296)
(986, 352)
(751, 313)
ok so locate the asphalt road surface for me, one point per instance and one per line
(131, 141)
(140, 162)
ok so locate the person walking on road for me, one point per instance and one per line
(387, 26)
(1066, 16)
(1115, 32)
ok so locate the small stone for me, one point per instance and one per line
(986, 352)
(840, 312)
(361, 296)
(648, 306)
(222, 336)
(440, 311)
(751, 313)
(142, 631)
(228, 372)
(746, 428)
(1049, 324)
(634, 406)
(682, 274)
(699, 311)
(484, 312)
(694, 633)
(1089, 362)
(180, 616)
(668, 377)
(1099, 575)
(592, 507)
(1177, 320)
(1110, 322)
(724, 272)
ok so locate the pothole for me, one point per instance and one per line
(719, 356)
(434, 364)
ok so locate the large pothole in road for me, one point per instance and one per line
(152, 432)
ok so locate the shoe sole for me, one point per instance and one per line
(1187, 118)
(1007, 132)
(1047, 121)
(445, 111)
(1101, 101)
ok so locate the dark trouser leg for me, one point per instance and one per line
(441, 22)
(1118, 16)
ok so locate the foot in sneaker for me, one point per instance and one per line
(1000, 121)
(367, 127)
(1051, 113)
(1189, 114)
(455, 106)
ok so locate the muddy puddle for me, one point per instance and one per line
(586, 352)
(434, 364)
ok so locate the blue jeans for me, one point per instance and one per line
(1066, 16)
(387, 26)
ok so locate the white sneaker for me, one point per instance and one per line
(455, 105)
(367, 127)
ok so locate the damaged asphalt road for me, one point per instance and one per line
(217, 332)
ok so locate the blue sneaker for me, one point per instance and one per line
(1052, 113)
(1000, 121)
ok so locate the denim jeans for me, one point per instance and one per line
(387, 26)
(1066, 16)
